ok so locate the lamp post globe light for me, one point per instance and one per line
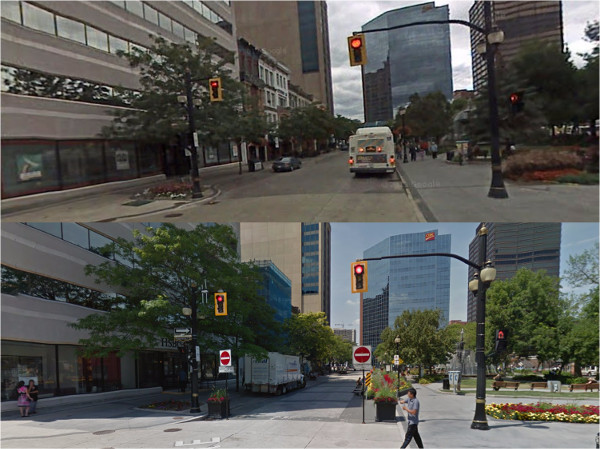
(192, 313)
(397, 341)
(478, 286)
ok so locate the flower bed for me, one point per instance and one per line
(167, 191)
(169, 405)
(384, 387)
(544, 412)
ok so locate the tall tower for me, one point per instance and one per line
(295, 33)
(511, 246)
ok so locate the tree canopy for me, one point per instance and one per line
(427, 117)
(161, 272)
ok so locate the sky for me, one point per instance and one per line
(349, 240)
(346, 17)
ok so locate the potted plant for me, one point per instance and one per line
(385, 403)
(218, 404)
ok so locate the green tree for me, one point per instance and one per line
(528, 306)
(154, 113)
(161, 273)
(470, 334)
(428, 116)
(310, 336)
(422, 342)
(304, 125)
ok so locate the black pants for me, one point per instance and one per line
(412, 432)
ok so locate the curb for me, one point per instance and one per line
(414, 195)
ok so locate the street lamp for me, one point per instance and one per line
(493, 37)
(189, 103)
(192, 313)
(405, 157)
(478, 286)
(397, 341)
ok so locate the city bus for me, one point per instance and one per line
(372, 151)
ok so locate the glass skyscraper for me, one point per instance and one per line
(413, 283)
(277, 289)
(405, 61)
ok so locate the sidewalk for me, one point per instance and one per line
(453, 193)
(445, 421)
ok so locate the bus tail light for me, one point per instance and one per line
(361, 150)
(392, 160)
(379, 149)
(351, 161)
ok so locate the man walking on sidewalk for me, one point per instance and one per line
(412, 408)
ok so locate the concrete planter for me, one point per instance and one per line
(218, 410)
(385, 411)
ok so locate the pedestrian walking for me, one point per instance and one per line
(412, 408)
(23, 399)
(434, 150)
(413, 152)
(33, 391)
(183, 380)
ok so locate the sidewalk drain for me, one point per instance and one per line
(103, 432)
(171, 430)
(137, 202)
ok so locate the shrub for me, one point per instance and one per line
(581, 178)
(527, 377)
(541, 160)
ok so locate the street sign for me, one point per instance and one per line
(225, 357)
(198, 354)
(362, 357)
(396, 357)
(185, 330)
(183, 334)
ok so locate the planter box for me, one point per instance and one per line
(218, 410)
(385, 411)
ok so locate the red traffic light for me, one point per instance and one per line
(359, 269)
(219, 298)
(356, 42)
(214, 84)
(514, 98)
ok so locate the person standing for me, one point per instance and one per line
(33, 394)
(412, 408)
(434, 149)
(183, 380)
(23, 399)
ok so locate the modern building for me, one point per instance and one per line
(521, 22)
(348, 335)
(396, 285)
(295, 33)
(276, 289)
(405, 61)
(512, 246)
(302, 251)
(60, 71)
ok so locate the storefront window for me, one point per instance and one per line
(224, 152)
(70, 29)
(77, 234)
(25, 361)
(11, 11)
(120, 161)
(149, 159)
(38, 18)
(96, 38)
(81, 163)
(28, 167)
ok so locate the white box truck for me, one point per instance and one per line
(276, 374)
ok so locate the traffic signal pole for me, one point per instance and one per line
(195, 404)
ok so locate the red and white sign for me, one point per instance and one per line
(429, 236)
(225, 357)
(362, 357)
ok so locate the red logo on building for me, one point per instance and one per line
(429, 236)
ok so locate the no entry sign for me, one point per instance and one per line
(362, 357)
(225, 357)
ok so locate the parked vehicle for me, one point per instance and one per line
(590, 371)
(276, 374)
(287, 163)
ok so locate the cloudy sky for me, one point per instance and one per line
(348, 16)
(349, 240)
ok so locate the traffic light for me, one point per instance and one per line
(215, 89)
(357, 50)
(359, 277)
(501, 335)
(516, 102)
(220, 304)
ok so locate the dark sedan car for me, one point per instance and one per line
(286, 164)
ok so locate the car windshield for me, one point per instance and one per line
(284, 159)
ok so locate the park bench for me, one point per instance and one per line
(358, 390)
(535, 385)
(584, 387)
(504, 384)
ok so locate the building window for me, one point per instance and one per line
(165, 22)
(308, 37)
(117, 44)
(70, 29)
(38, 18)
(11, 11)
(150, 14)
(136, 7)
(178, 29)
(96, 38)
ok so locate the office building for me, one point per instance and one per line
(512, 246)
(60, 71)
(405, 61)
(348, 335)
(396, 285)
(302, 251)
(521, 22)
(276, 289)
(295, 33)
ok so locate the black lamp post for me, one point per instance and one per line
(397, 341)
(193, 314)
(188, 100)
(405, 158)
(478, 285)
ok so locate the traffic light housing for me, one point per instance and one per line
(501, 335)
(357, 49)
(516, 102)
(220, 304)
(359, 277)
(215, 89)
